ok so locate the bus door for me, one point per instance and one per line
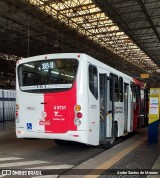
(103, 106)
(111, 109)
(93, 105)
(126, 95)
(104, 115)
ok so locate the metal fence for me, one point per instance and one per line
(7, 109)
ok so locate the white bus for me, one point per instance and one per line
(74, 97)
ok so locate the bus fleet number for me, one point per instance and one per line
(60, 107)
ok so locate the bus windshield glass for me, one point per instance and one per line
(47, 75)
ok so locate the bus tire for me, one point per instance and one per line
(106, 145)
(115, 133)
(111, 142)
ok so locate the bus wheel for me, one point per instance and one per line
(106, 145)
(111, 142)
(115, 134)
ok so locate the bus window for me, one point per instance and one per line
(47, 76)
(116, 91)
(138, 93)
(133, 93)
(93, 80)
(121, 89)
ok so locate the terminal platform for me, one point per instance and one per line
(134, 157)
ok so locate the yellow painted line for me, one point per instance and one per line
(103, 167)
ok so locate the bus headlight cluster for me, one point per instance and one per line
(78, 115)
(17, 113)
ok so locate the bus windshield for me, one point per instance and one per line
(47, 75)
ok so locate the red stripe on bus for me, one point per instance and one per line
(60, 111)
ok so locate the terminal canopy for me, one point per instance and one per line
(122, 34)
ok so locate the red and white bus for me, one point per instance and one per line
(75, 97)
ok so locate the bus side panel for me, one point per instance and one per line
(82, 99)
(130, 127)
(93, 115)
(136, 115)
(130, 112)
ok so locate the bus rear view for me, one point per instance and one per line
(46, 97)
(75, 97)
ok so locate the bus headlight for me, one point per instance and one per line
(77, 108)
(77, 122)
(17, 107)
(17, 120)
(79, 115)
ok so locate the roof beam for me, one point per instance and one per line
(78, 7)
(141, 3)
(53, 1)
(87, 14)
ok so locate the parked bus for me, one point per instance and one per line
(75, 97)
